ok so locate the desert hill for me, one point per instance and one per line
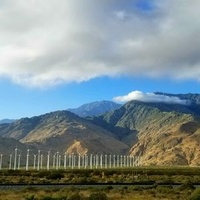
(63, 131)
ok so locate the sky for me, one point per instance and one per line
(59, 54)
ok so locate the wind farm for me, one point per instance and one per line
(56, 161)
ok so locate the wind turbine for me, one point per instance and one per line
(48, 160)
(19, 160)
(10, 163)
(1, 161)
(65, 161)
(15, 159)
(27, 159)
(57, 161)
(38, 164)
(34, 160)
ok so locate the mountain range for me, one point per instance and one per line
(161, 133)
(63, 131)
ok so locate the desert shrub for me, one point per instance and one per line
(21, 180)
(98, 196)
(83, 172)
(42, 174)
(83, 180)
(186, 186)
(53, 198)
(135, 188)
(164, 189)
(97, 173)
(108, 188)
(124, 190)
(56, 175)
(11, 172)
(109, 172)
(75, 196)
(195, 194)
(47, 198)
(30, 197)
(29, 189)
(71, 175)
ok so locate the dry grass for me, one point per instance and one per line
(112, 194)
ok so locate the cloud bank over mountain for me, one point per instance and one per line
(149, 97)
(44, 43)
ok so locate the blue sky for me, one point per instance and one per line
(18, 101)
(57, 54)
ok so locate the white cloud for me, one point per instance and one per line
(121, 15)
(149, 97)
(43, 43)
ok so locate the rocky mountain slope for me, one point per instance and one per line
(162, 133)
(64, 132)
(95, 108)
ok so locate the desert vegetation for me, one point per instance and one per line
(103, 193)
(111, 184)
(129, 176)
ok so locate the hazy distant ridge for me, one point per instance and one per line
(95, 108)
(6, 121)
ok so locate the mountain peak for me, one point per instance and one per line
(95, 108)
